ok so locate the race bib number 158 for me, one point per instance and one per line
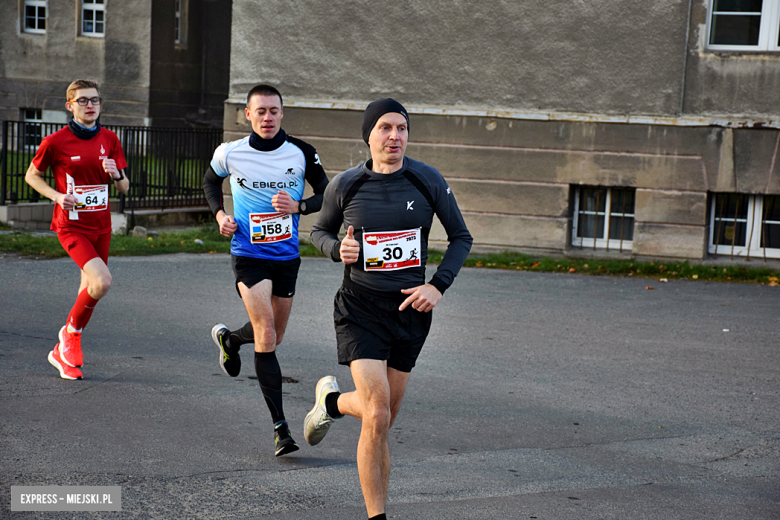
(270, 227)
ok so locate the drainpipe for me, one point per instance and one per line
(685, 59)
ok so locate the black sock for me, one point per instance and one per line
(269, 375)
(378, 517)
(332, 405)
(245, 334)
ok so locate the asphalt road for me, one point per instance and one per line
(547, 396)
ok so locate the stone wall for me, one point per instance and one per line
(514, 179)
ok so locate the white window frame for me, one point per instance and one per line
(753, 231)
(32, 115)
(95, 6)
(181, 10)
(768, 34)
(603, 242)
(37, 4)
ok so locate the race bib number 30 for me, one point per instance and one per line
(91, 198)
(270, 227)
(391, 250)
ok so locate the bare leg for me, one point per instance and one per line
(376, 401)
(268, 314)
(96, 278)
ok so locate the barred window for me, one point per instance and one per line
(745, 225)
(603, 218)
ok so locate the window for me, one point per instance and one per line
(745, 225)
(603, 218)
(32, 132)
(180, 23)
(35, 16)
(93, 18)
(744, 25)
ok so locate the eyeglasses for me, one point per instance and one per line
(83, 101)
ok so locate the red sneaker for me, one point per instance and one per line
(70, 347)
(66, 371)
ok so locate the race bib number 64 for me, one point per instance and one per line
(91, 198)
(391, 250)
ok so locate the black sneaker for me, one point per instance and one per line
(229, 359)
(282, 439)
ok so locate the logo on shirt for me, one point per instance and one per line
(261, 185)
(448, 190)
(102, 153)
(409, 205)
(317, 159)
(289, 171)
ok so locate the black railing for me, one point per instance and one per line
(165, 165)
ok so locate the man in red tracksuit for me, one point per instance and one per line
(84, 159)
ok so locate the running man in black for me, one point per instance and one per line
(382, 310)
(267, 170)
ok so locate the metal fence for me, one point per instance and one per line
(165, 165)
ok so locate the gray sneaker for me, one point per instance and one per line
(317, 422)
(229, 358)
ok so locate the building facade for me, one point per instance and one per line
(160, 63)
(648, 130)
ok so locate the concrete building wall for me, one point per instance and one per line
(559, 55)
(35, 69)
(518, 104)
(514, 179)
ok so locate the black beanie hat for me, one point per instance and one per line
(377, 109)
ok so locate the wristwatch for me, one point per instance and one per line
(302, 207)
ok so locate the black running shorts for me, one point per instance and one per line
(368, 327)
(282, 273)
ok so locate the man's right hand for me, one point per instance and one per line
(350, 248)
(66, 201)
(227, 224)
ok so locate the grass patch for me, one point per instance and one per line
(593, 266)
(207, 239)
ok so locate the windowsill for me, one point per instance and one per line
(36, 32)
(729, 53)
(614, 246)
(93, 36)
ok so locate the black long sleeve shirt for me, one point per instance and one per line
(403, 200)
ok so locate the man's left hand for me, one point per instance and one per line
(283, 203)
(423, 298)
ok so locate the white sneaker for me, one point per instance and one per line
(317, 422)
